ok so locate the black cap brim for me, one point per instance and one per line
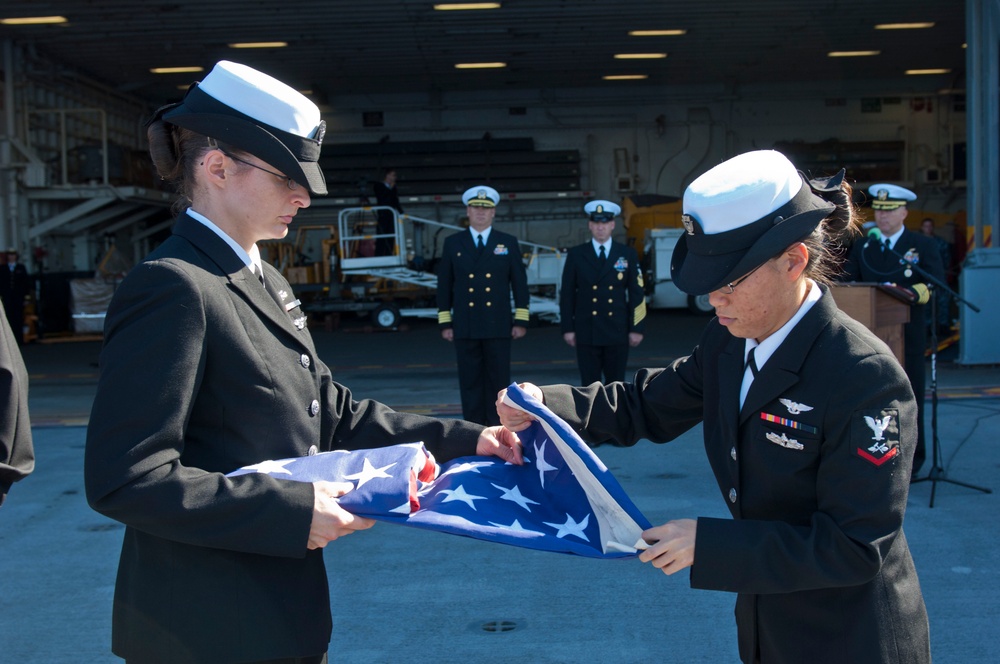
(721, 260)
(293, 155)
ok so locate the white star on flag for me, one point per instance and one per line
(540, 463)
(369, 472)
(466, 467)
(269, 467)
(460, 494)
(571, 527)
(514, 495)
(516, 526)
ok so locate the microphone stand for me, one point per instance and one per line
(937, 473)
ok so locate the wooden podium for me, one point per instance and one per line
(879, 308)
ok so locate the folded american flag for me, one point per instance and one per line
(563, 499)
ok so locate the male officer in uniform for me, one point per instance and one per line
(476, 274)
(602, 306)
(877, 259)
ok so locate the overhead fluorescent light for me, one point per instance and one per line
(921, 72)
(462, 6)
(851, 54)
(480, 65)
(625, 77)
(176, 70)
(640, 56)
(274, 44)
(656, 33)
(904, 26)
(34, 20)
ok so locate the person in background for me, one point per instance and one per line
(14, 285)
(387, 195)
(809, 424)
(17, 454)
(874, 261)
(478, 270)
(602, 304)
(943, 299)
(208, 366)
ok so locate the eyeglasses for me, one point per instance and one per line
(289, 182)
(732, 285)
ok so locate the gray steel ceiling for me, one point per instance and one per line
(371, 46)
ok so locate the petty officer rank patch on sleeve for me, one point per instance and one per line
(875, 435)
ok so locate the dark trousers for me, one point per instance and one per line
(915, 366)
(483, 370)
(385, 246)
(916, 370)
(595, 360)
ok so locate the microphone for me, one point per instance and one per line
(875, 233)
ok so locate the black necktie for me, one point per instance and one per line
(885, 245)
(479, 243)
(752, 363)
(601, 254)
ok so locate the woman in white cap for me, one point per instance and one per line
(809, 426)
(207, 367)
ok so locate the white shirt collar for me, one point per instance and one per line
(251, 259)
(895, 237)
(597, 246)
(485, 234)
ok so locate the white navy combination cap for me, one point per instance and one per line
(602, 211)
(889, 196)
(481, 196)
(249, 110)
(741, 214)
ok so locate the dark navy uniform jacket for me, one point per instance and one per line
(204, 371)
(815, 470)
(602, 301)
(474, 289)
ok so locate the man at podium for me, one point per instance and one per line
(880, 258)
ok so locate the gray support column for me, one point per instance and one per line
(981, 273)
(8, 183)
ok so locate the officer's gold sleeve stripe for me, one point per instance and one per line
(639, 314)
(521, 314)
(444, 317)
